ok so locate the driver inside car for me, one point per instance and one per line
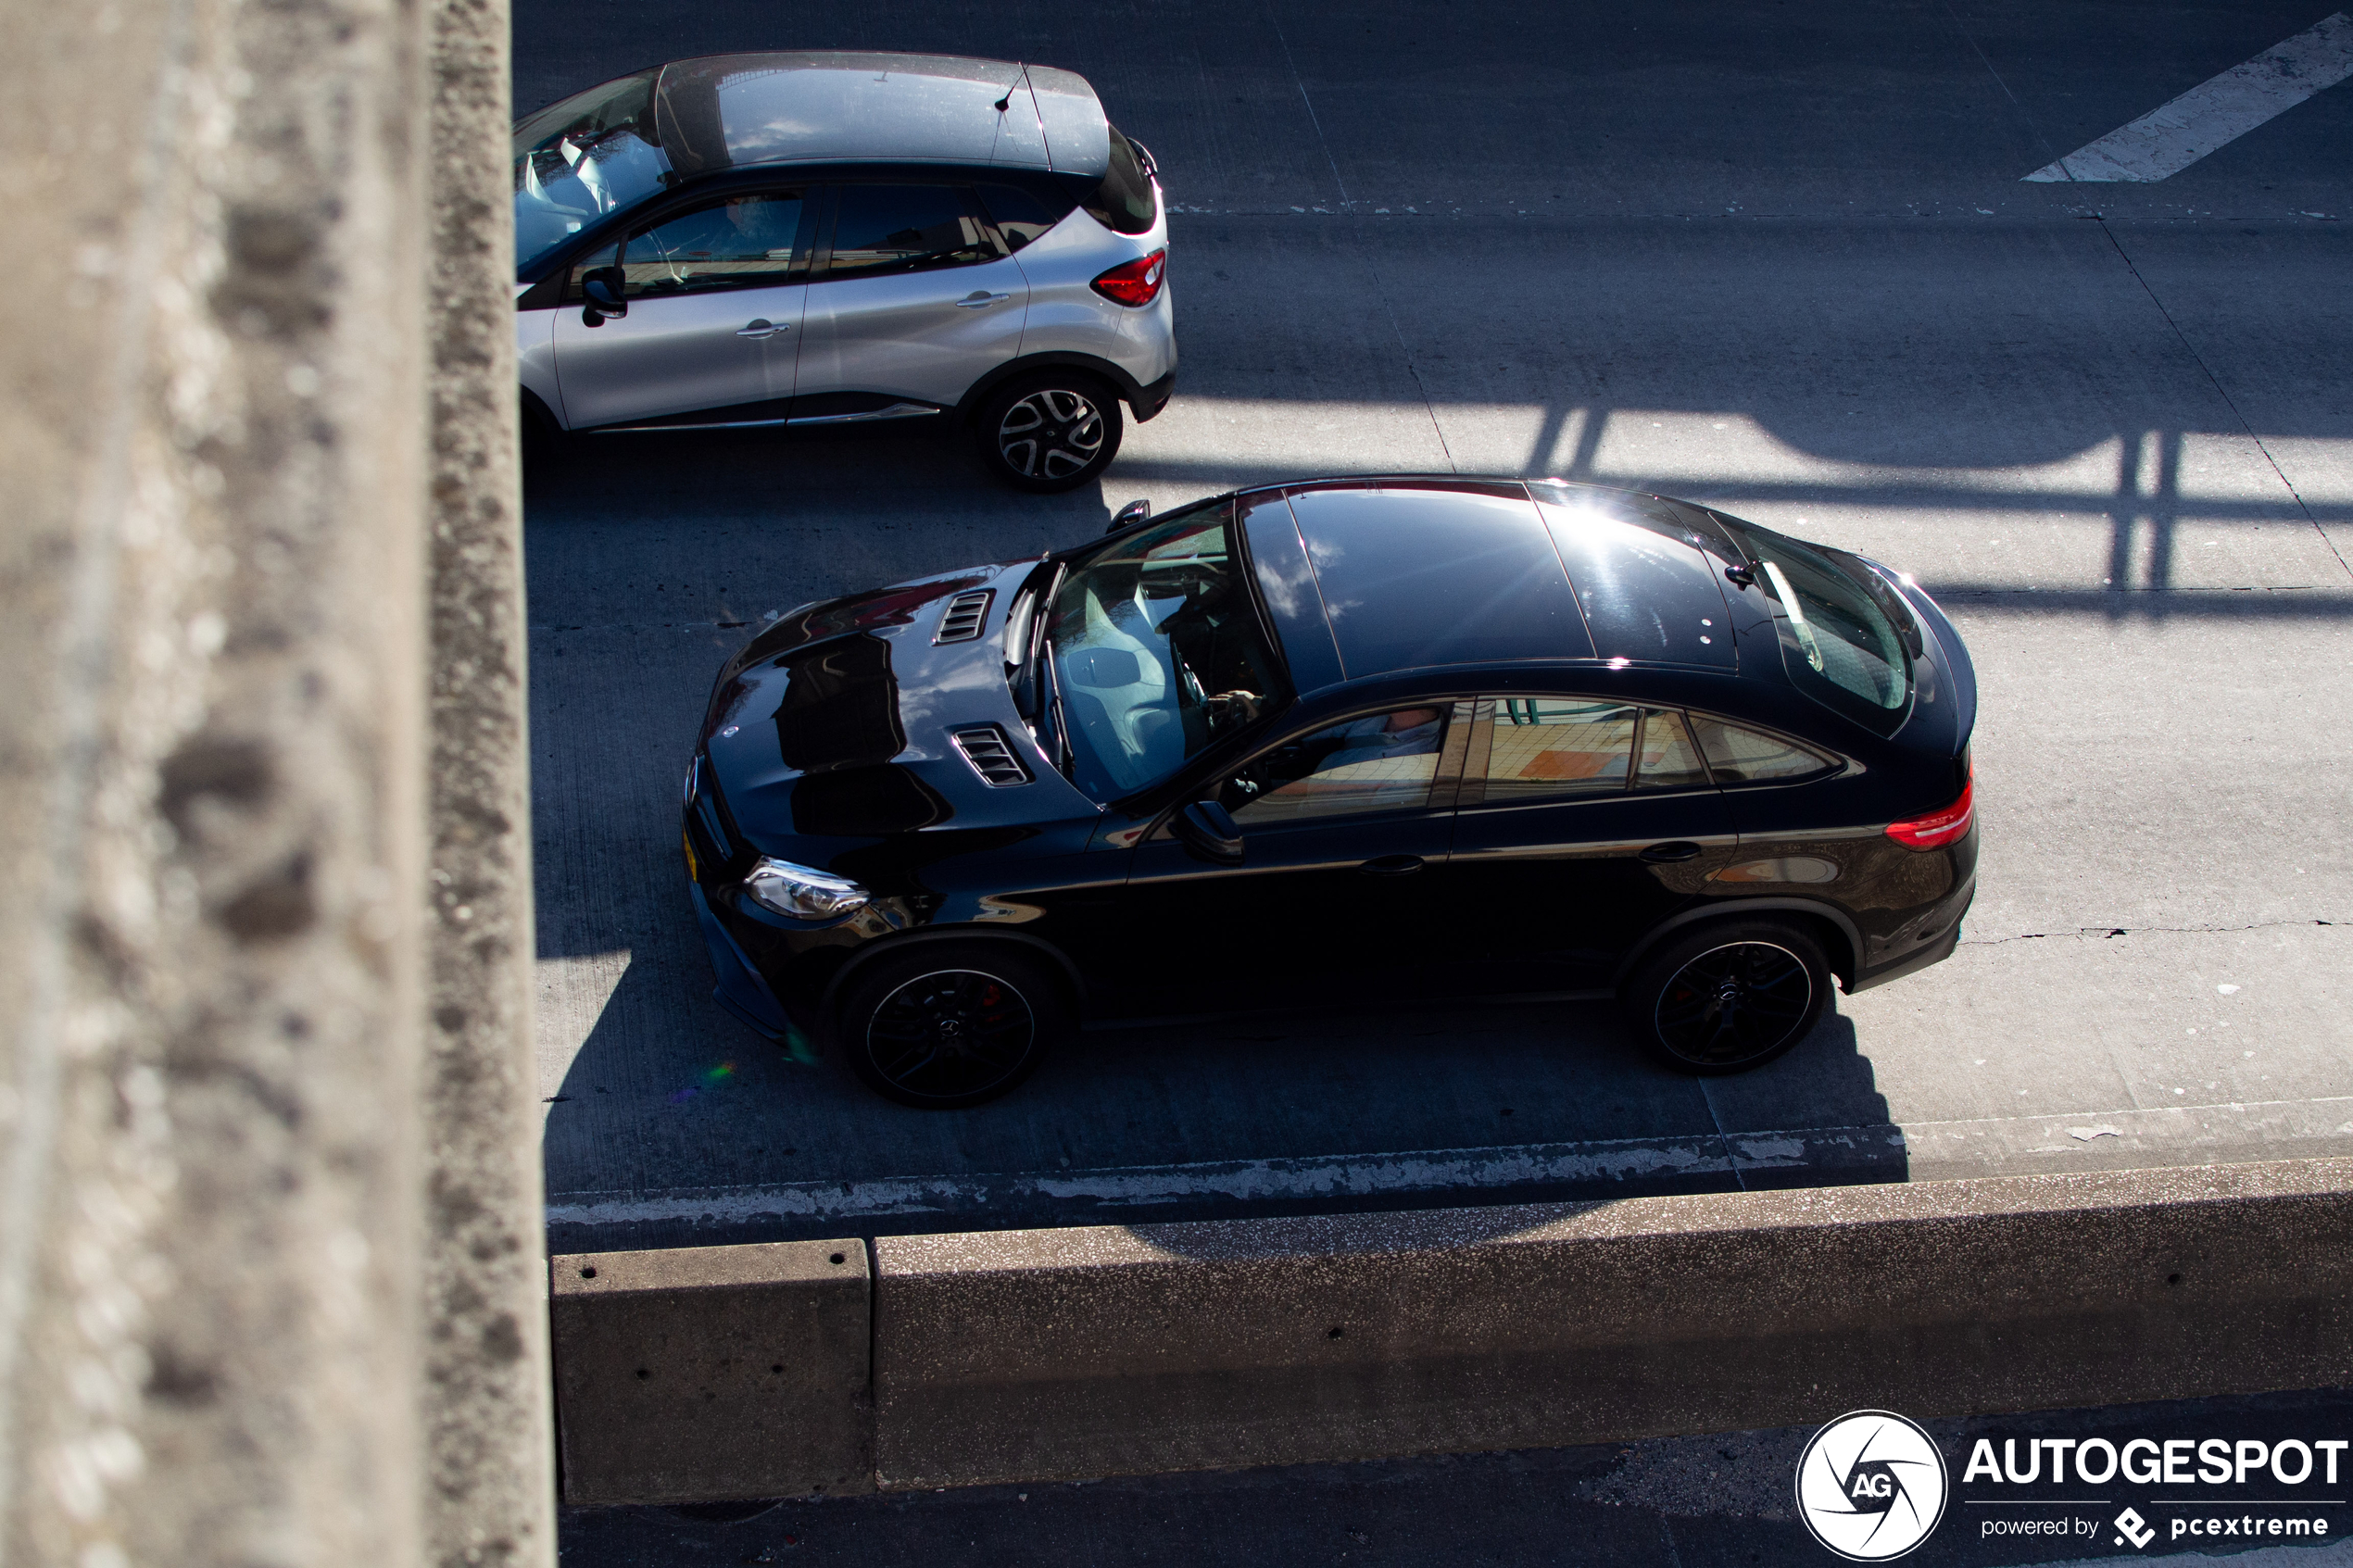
(1409, 732)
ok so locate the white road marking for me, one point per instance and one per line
(2168, 139)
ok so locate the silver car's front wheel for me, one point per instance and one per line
(1050, 436)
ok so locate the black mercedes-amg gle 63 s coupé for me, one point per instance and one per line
(1343, 739)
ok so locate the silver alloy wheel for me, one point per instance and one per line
(1051, 433)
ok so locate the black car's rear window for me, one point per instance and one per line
(1840, 645)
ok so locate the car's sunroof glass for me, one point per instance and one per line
(1416, 573)
(1158, 650)
(594, 153)
(1647, 594)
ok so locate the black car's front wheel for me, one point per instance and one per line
(1050, 432)
(940, 1026)
(1731, 995)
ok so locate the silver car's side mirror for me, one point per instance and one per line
(604, 290)
(1129, 516)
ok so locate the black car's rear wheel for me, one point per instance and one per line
(1049, 431)
(943, 1026)
(1730, 996)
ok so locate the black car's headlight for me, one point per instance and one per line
(802, 892)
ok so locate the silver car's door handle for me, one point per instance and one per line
(761, 328)
(981, 299)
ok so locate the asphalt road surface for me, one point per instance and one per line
(1744, 254)
(1727, 1500)
(1778, 258)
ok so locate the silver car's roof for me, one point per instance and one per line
(727, 111)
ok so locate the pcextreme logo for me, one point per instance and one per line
(1872, 1486)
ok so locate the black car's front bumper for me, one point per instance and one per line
(740, 988)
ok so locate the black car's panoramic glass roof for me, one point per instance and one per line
(1417, 577)
(1646, 595)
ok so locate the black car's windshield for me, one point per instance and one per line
(594, 153)
(1157, 650)
(1838, 642)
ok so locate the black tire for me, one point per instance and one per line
(1730, 995)
(941, 1026)
(1048, 432)
(543, 439)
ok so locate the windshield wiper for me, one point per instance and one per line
(1024, 680)
(1055, 705)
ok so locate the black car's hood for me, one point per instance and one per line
(835, 721)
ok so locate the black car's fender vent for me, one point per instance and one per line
(965, 615)
(983, 747)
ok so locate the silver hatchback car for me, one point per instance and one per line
(809, 240)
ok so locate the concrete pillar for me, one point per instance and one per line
(218, 1080)
(491, 1493)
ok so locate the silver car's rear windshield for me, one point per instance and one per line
(594, 153)
(1845, 641)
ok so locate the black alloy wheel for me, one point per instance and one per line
(1731, 996)
(1048, 433)
(950, 1028)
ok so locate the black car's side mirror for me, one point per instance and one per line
(1209, 833)
(604, 288)
(1129, 516)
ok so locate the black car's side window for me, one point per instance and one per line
(1738, 755)
(1665, 757)
(1382, 763)
(756, 239)
(1566, 748)
(885, 229)
(1541, 748)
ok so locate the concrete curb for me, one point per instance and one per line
(713, 1372)
(1062, 1354)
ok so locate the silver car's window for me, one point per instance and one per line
(744, 241)
(1158, 650)
(1021, 214)
(882, 228)
(593, 152)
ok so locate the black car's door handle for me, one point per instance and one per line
(1674, 849)
(1392, 865)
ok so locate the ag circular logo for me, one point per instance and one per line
(1872, 1486)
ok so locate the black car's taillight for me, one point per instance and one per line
(1938, 828)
